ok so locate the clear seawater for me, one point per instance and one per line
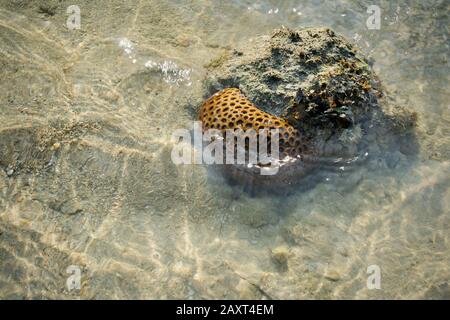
(104, 195)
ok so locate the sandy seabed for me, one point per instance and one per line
(86, 177)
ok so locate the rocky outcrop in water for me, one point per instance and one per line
(318, 82)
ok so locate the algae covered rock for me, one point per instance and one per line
(320, 84)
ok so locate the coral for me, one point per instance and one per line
(229, 109)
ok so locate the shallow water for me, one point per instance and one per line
(87, 180)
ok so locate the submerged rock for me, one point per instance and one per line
(280, 255)
(320, 84)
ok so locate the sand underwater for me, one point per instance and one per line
(86, 177)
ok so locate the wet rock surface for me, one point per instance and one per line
(322, 85)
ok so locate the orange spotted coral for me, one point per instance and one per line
(229, 109)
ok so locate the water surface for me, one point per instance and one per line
(87, 180)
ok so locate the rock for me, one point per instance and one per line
(56, 146)
(280, 256)
(247, 291)
(48, 9)
(9, 171)
(67, 207)
(319, 83)
(332, 275)
(184, 40)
